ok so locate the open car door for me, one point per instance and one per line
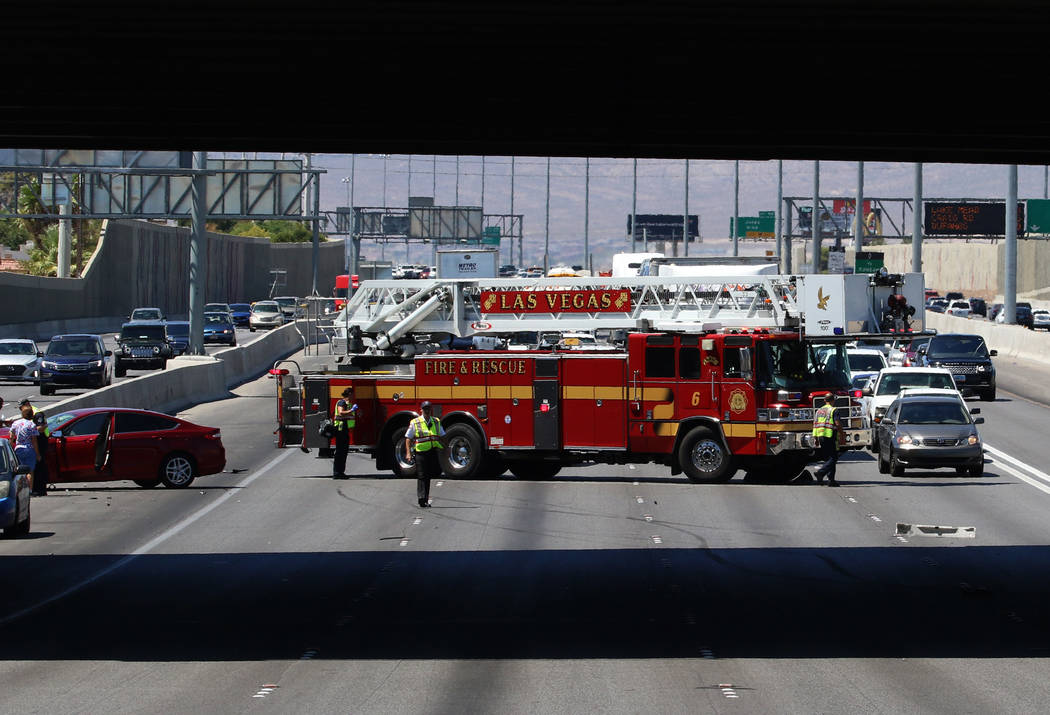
(104, 447)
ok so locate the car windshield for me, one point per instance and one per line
(145, 314)
(265, 308)
(794, 365)
(957, 346)
(239, 307)
(285, 302)
(55, 420)
(17, 349)
(893, 383)
(215, 306)
(74, 347)
(215, 318)
(178, 329)
(865, 363)
(932, 413)
(142, 332)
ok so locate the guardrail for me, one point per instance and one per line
(193, 379)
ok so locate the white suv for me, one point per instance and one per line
(884, 388)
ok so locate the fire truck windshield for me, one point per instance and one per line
(794, 365)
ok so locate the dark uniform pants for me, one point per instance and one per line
(342, 446)
(829, 450)
(428, 466)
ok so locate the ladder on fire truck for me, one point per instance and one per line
(392, 311)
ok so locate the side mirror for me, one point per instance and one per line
(40, 353)
(993, 353)
(867, 391)
(979, 421)
(57, 433)
(921, 350)
(23, 470)
(109, 353)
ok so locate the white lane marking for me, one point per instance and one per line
(1020, 475)
(149, 545)
(1004, 457)
(417, 521)
(639, 500)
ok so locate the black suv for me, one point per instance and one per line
(142, 345)
(978, 307)
(968, 359)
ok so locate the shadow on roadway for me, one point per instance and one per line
(881, 602)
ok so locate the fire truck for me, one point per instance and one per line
(715, 374)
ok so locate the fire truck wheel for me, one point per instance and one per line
(401, 467)
(463, 454)
(704, 458)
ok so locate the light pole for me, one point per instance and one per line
(385, 157)
(347, 259)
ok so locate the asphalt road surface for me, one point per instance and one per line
(605, 589)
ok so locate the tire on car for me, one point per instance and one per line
(177, 470)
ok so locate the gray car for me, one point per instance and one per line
(928, 432)
(19, 360)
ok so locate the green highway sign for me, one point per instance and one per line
(1037, 216)
(762, 226)
(869, 261)
(490, 236)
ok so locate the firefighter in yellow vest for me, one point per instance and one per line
(344, 420)
(825, 429)
(425, 437)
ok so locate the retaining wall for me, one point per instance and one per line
(143, 264)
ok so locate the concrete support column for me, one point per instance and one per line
(916, 221)
(1010, 279)
(198, 252)
(64, 243)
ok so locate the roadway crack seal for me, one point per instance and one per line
(149, 545)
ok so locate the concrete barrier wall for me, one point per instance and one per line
(973, 268)
(192, 379)
(143, 264)
(1008, 340)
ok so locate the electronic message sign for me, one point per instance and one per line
(663, 227)
(967, 218)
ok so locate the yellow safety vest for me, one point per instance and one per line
(348, 423)
(425, 435)
(824, 422)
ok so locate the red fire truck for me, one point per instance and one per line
(714, 376)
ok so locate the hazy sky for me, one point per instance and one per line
(661, 189)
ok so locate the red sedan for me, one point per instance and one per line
(101, 444)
